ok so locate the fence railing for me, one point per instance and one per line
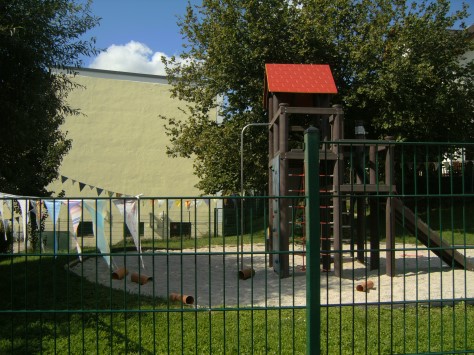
(386, 246)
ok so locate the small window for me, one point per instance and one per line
(85, 229)
(141, 230)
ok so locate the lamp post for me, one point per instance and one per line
(242, 188)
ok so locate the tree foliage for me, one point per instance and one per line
(398, 66)
(37, 37)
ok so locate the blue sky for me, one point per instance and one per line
(135, 34)
(152, 22)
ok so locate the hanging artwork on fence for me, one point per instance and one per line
(96, 209)
(75, 211)
(129, 210)
(24, 212)
(54, 207)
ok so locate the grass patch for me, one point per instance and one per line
(401, 330)
(449, 219)
(191, 243)
(45, 308)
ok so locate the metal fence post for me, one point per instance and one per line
(313, 296)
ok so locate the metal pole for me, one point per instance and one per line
(242, 188)
(313, 241)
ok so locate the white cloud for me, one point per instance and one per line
(132, 57)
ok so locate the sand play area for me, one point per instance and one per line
(210, 276)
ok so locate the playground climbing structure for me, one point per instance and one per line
(355, 176)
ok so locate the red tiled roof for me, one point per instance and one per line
(300, 78)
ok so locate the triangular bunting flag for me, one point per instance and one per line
(129, 210)
(37, 211)
(3, 216)
(63, 179)
(99, 191)
(24, 214)
(81, 186)
(54, 207)
(75, 211)
(97, 216)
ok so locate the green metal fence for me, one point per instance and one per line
(380, 261)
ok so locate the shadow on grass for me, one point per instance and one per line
(43, 303)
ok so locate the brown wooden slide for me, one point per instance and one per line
(429, 237)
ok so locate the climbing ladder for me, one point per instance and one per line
(297, 188)
(297, 208)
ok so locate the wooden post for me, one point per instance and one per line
(271, 153)
(361, 205)
(276, 126)
(373, 203)
(337, 212)
(284, 267)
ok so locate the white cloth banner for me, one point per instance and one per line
(24, 217)
(54, 207)
(5, 221)
(97, 215)
(129, 210)
(3, 216)
(75, 211)
(36, 208)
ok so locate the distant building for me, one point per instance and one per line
(470, 55)
(119, 144)
(118, 151)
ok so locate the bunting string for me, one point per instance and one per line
(99, 190)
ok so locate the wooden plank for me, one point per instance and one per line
(314, 110)
(429, 237)
(367, 188)
(299, 155)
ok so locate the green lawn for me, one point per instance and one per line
(191, 243)
(45, 308)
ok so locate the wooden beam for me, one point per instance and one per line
(314, 110)
(299, 155)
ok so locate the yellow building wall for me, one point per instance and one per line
(119, 144)
(119, 148)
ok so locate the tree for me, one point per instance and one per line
(397, 66)
(37, 38)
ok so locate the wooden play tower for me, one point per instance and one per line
(298, 96)
(355, 172)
